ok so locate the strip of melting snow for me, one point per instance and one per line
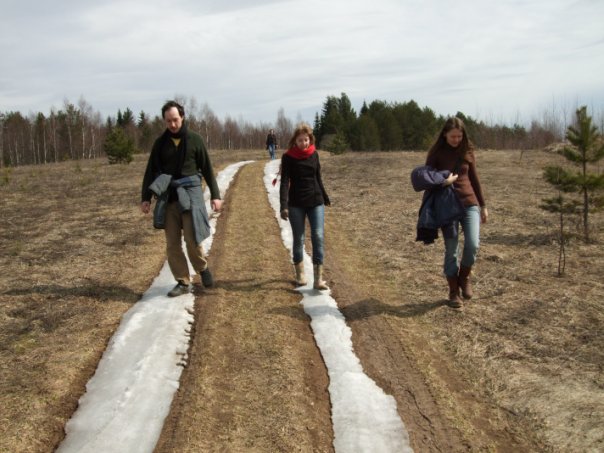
(129, 396)
(364, 417)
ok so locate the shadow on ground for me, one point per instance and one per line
(374, 307)
(91, 289)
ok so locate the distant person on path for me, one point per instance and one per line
(454, 152)
(271, 143)
(302, 195)
(177, 161)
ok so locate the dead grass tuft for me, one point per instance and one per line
(529, 342)
(76, 253)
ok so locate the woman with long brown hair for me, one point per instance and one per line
(453, 151)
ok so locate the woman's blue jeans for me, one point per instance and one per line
(297, 219)
(271, 151)
(471, 235)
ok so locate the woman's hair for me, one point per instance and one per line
(452, 123)
(301, 128)
(168, 105)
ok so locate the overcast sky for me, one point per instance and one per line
(495, 60)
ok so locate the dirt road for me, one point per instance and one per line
(256, 381)
(519, 369)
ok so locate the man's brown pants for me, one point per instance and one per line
(179, 224)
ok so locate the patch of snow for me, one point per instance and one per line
(129, 396)
(364, 417)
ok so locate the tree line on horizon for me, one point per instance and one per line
(77, 131)
(389, 126)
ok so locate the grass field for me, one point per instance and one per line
(519, 368)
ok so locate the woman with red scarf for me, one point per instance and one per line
(302, 195)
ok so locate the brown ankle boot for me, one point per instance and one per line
(300, 277)
(454, 300)
(464, 282)
(319, 282)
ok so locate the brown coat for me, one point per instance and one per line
(467, 187)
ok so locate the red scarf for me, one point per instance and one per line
(300, 154)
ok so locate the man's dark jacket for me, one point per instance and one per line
(189, 159)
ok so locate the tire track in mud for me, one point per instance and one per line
(255, 379)
(440, 414)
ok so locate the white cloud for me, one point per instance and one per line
(251, 57)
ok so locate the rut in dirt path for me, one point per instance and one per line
(255, 379)
(364, 417)
(130, 393)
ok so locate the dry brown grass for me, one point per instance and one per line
(530, 343)
(72, 261)
(522, 361)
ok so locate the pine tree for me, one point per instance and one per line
(331, 120)
(337, 117)
(145, 132)
(364, 109)
(337, 143)
(316, 128)
(587, 148)
(127, 118)
(118, 146)
(561, 205)
(366, 135)
(348, 116)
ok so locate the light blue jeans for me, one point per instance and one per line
(271, 151)
(297, 219)
(471, 241)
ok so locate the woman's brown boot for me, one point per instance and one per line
(300, 277)
(464, 282)
(319, 282)
(454, 300)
